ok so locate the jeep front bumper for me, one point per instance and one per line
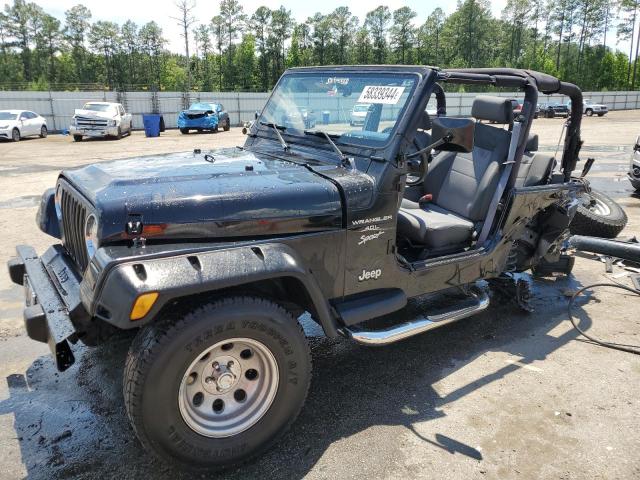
(52, 299)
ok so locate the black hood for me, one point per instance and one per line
(227, 193)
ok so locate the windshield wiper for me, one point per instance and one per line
(343, 158)
(276, 128)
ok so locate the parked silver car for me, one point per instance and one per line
(634, 168)
(17, 124)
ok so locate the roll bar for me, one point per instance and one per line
(516, 78)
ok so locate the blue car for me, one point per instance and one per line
(204, 116)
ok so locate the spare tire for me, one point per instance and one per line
(598, 216)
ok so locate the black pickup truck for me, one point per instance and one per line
(213, 256)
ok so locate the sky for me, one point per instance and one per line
(161, 11)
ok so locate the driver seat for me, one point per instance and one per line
(461, 184)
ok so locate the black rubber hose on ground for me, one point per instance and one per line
(611, 248)
(616, 346)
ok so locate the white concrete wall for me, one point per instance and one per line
(58, 107)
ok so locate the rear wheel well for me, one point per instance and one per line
(289, 292)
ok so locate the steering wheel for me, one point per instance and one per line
(418, 167)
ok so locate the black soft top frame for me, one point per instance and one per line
(531, 82)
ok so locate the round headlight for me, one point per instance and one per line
(91, 235)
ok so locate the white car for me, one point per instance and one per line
(100, 119)
(17, 124)
(359, 113)
(594, 108)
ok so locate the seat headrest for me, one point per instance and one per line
(425, 122)
(494, 109)
(532, 143)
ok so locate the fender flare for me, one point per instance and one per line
(188, 274)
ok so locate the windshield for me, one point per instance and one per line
(97, 107)
(7, 116)
(324, 102)
(361, 108)
(203, 106)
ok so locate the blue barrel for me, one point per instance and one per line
(325, 117)
(151, 122)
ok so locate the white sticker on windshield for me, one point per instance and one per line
(386, 95)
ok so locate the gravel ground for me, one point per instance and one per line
(500, 395)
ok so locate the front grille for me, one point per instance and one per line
(74, 215)
(88, 122)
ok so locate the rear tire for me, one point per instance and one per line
(15, 135)
(77, 138)
(242, 360)
(603, 217)
(43, 131)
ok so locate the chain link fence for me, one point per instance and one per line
(58, 107)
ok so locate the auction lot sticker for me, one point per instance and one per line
(387, 95)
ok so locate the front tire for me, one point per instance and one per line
(589, 112)
(599, 216)
(15, 135)
(77, 138)
(218, 386)
(227, 125)
(184, 131)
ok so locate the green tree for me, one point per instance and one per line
(259, 25)
(76, 29)
(103, 38)
(281, 28)
(152, 45)
(403, 33)
(377, 21)
(342, 24)
(131, 49)
(429, 37)
(321, 35)
(363, 45)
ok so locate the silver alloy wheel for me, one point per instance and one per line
(599, 207)
(228, 388)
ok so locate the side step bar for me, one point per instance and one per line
(415, 327)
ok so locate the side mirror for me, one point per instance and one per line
(453, 134)
(256, 115)
(636, 147)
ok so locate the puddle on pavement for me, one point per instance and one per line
(21, 202)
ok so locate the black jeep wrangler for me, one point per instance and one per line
(212, 256)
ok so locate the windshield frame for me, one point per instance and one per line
(15, 116)
(311, 71)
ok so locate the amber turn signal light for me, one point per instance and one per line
(142, 305)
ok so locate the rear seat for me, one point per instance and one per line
(535, 168)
